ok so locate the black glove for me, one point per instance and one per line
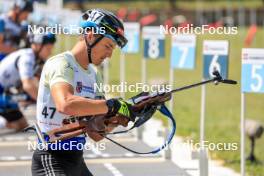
(120, 107)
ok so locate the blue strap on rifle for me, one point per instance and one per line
(164, 110)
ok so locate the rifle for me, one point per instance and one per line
(75, 126)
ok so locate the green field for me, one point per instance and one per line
(222, 101)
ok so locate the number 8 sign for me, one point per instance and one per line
(252, 70)
(215, 54)
(154, 42)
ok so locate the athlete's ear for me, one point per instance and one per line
(35, 47)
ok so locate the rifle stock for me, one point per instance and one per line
(67, 131)
(81, 126)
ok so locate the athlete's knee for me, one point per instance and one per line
(18, 125)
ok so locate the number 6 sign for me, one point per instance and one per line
(215, 54)
(252, 70)
(154, 42)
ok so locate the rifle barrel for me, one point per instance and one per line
(192, 85)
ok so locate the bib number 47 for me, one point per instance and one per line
(48, 112)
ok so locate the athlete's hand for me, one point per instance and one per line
(95, 136)
(115, 121)
(104, 125)
(119, 107)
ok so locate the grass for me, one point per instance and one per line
(222, 102)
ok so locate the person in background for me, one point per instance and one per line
(11, 26)
(18, 69)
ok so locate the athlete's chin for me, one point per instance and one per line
(98, 62)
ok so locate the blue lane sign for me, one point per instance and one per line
(183, 51)
(215, 57)
(252, 70)
(154, 42)
(132, 33)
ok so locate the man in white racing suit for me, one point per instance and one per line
(67, 89)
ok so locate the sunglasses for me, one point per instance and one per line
(117, 34)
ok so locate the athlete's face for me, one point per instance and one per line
(102, 50)
(46, 51)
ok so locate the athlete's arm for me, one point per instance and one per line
(67, 103)
(30, 86)
(25, 66)
(5, 48)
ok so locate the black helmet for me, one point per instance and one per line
(102, 19)
(47, 38)
(42, 39)
(24, 5)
